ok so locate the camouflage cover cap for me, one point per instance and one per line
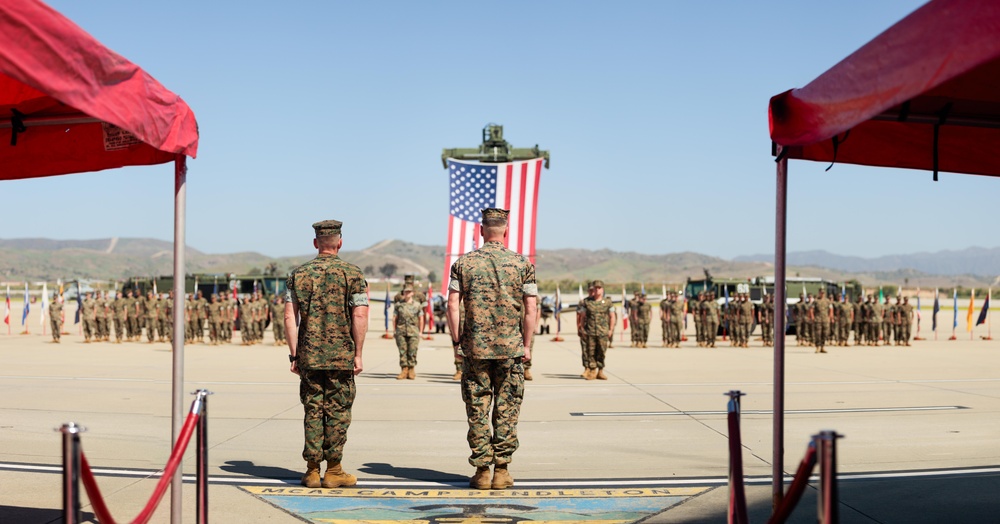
(327, 228)
(407, 287)
(493, 212)
(597, 283)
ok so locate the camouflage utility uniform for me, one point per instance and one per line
(325, 290)
(407, 326)
(492, 283)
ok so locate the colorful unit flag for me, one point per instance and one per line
(45, 303)
(972, 305)
(954, 299)
(986, 309)
(79, 303)
(6, 315)
(937, 307)
(27, 305)
(388, 304)
(557, 311)
(475, 186)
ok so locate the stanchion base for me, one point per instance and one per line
(557, 339)
(428, 337)
(952, 338)
(919, 338)
(986, 338)
(386, 335)
(25, 333)
(684, 339)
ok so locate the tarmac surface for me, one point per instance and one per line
(921, 428)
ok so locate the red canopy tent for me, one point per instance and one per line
(71, 105)
(924, 94)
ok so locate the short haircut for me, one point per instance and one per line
(494, 223)
(328, 242)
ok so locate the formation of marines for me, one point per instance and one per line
(870, 319)
(131, 317)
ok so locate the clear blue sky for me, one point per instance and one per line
(655, 114)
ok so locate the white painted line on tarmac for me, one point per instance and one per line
(608, 483)
(760, 411)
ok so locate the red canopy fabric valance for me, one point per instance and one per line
(68, 104)
(936, 72)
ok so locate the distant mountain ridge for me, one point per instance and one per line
(38, 259)
(979, 261)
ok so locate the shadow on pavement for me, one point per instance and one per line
(388, 470)
(37, 515)
(248, 468)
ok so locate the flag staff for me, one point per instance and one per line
(989, 329)
(954, 307)
(27, 309)
(558, 315)
(388, 303)
(918, 337)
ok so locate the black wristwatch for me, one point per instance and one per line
(456, 343)
(291, 358)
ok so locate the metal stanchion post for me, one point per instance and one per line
(737, 494)
(828, 500)
(201, 407)
(71, 472)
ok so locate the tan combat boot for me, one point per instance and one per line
(411, 373)
(335, 477)
(501, 477)
(601, 375)
(311, 478)
(457, 376)
(481, 480)
(527, 375)
(402, 374)
(591, 374)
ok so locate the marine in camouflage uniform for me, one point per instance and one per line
(905, 313)
(665, 320)
(844, 321)
(229, 311)
(712, 317)
(889, 320)
(695, 309)
(119, 310)
(329, 298)
(246, 321)
(599, 319)
(498, 289)
(875, 325)
(214, 320)
(162, 317)
(152, 316)
(168, 322)
(278, 320)
(55, 317)
(202, 313)
(407, 324)
(102, 315)
(676, 320)
(134, 315)
(643, 314)
(765, 317)
(89, 317)
(860, 323)
(746, 318)
(821, 317)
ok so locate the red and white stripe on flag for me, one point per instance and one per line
(475, 186)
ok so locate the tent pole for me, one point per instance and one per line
(177, 413)
(780, 223)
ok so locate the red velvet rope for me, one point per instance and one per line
(799, 483)
(94, 493)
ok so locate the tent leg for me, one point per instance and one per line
(780, 223)
(177, 403)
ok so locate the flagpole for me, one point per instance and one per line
(972, 304)
(989, 298)
(918, 337)
(954, 321)
(26, 309)
(558, 315)
(386, 334)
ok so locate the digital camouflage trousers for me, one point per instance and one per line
(327, 396)
(496, 384)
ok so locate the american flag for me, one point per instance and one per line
(475, 186)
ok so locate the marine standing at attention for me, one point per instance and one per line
(326, 319)
(407, 325)
(599, 318)
(55, 317)
(498, 289)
